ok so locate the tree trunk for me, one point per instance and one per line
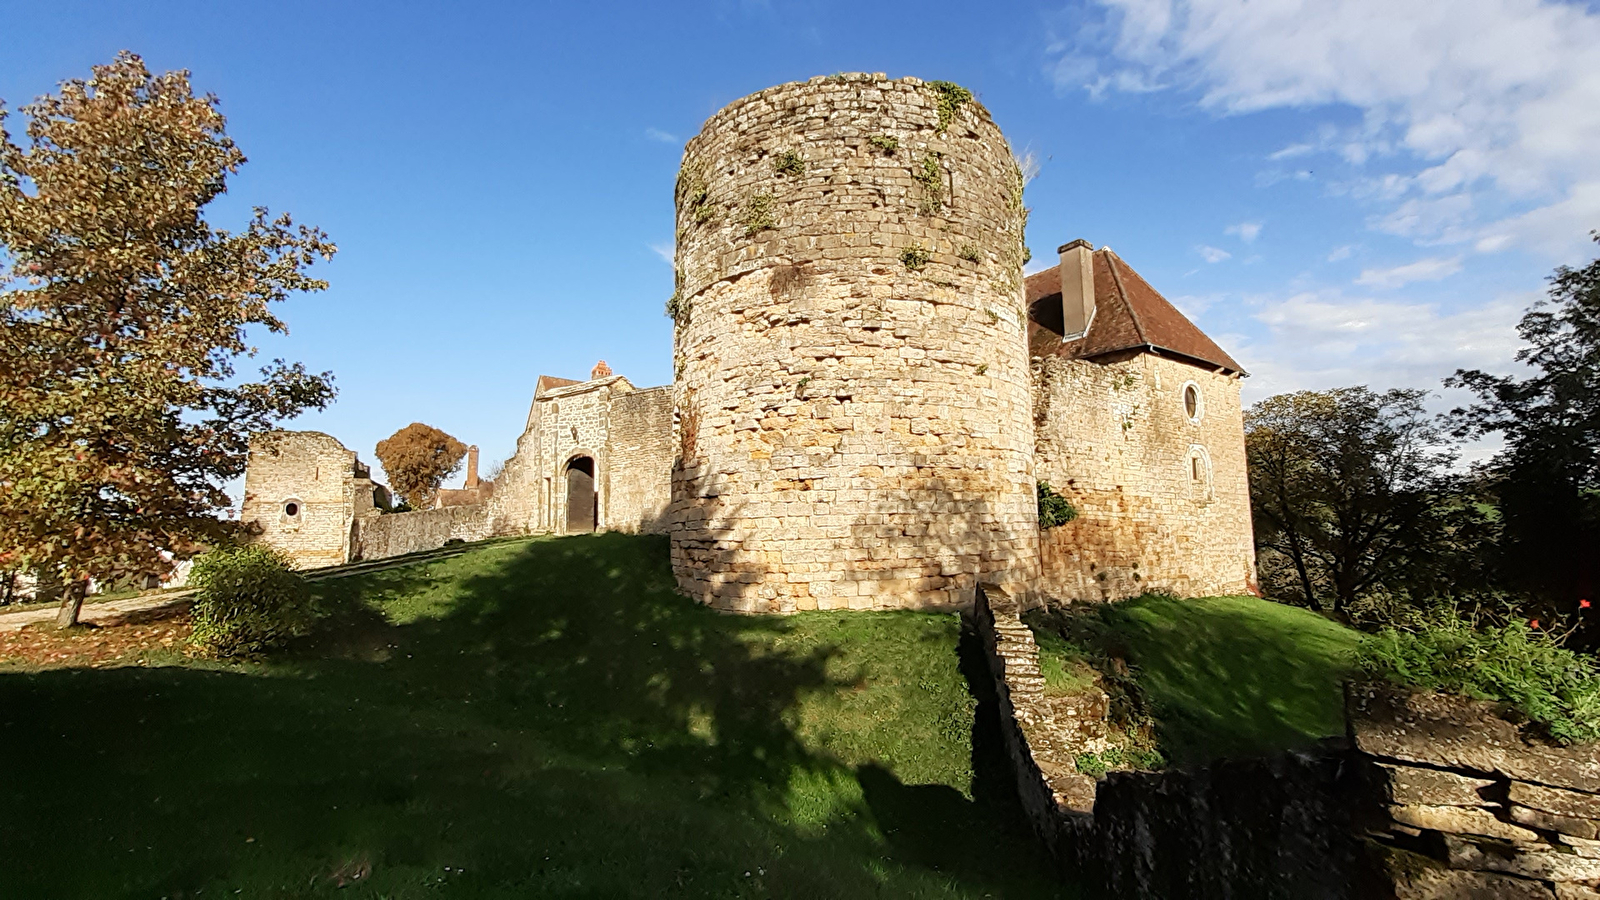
(71, 603)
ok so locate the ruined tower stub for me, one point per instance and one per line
(852, 396)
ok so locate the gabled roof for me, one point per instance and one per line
(550, 383)
(1129, 315)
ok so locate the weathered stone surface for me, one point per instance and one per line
(1548, 821)
(1455, 884)
(303, 492)
(1412, 786)
(1162, 497)
(855, 419)
(1460, 820)
(1567, 890)
(1542, 862)
(1555, 800)
(1438, 730)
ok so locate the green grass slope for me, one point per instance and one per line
(1226, 676)
(532, 719)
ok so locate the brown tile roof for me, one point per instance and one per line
(1129, 315)
(550, 383)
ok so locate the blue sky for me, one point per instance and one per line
(1340, 193)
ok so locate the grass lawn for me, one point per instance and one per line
(540, 718)
(1224, 676)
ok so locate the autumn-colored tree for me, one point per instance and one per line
(418, 458)
(122, 314)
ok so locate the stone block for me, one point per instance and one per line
(1538, 861)
(1460, 820)
(1409, 785)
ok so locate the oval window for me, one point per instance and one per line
(1191, 401)
(291, 509)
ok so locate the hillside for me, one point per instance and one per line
(531, 718)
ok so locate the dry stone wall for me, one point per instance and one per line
(1429, 797)
(1162, 497)
(396, 534)
(855, 424)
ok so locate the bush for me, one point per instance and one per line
(1054, 509)
(1551, 685)
(250, 599)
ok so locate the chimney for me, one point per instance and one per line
(600, 370)
(472, 468)
(1077, 287)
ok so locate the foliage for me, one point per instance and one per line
(915, 257)
(1211, 677)
(758, 214)
(1547, 478)
(1353, 496)
(790, 163)
(417, 459)
(250, 599)
(930, 175)
(1054, 509)
(970, 253)
(888, 143)
(522, 700)
(1444, 651)
(695, 195)
(122, 315)
(951, 98)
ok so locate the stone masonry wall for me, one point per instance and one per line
(1429, 798)
(315, 474)
(396, 534)
(638, 472)
(1115, 439)
(855, 423)
(573, 422)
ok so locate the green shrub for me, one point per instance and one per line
(1553, 686)
(249, 600)
(1054, 509)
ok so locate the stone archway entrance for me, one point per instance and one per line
(582, 502)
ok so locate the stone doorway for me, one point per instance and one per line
(583, 505)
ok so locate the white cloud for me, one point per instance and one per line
(1342, 252)
(1245, 231)
(666, 251)
(656, 134)
(1434, 268)
(1323, 339)
(1471, 101)
(1212, 254)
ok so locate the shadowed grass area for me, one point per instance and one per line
(1223, 676)
(534, 719)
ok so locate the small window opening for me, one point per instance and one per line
(291, 509)
(1194, 467)
(1191, 401)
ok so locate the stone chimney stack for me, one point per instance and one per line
(600, 370)
(1077, 286)
(472, 468)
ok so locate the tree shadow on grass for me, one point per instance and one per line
(539, 719)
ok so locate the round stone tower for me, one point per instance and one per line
(854, 422)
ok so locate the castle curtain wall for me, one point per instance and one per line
(638, 472)
(315, 475)
(1162, 497)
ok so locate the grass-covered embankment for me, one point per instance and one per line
(534, 719)
(1221, 676)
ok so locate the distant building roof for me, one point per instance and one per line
(1129, 315)
(550, 383)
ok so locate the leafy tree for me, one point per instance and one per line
(1352, 497)
(122, 314)
(418, 458)
(1547, 477)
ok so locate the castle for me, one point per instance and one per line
(867, 392)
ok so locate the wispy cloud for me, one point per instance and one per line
(1212, 254)
(1433, 268)
(1245, 231)
(1493, 137)
(656, 134)
(665, 250)
(1341, 253)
